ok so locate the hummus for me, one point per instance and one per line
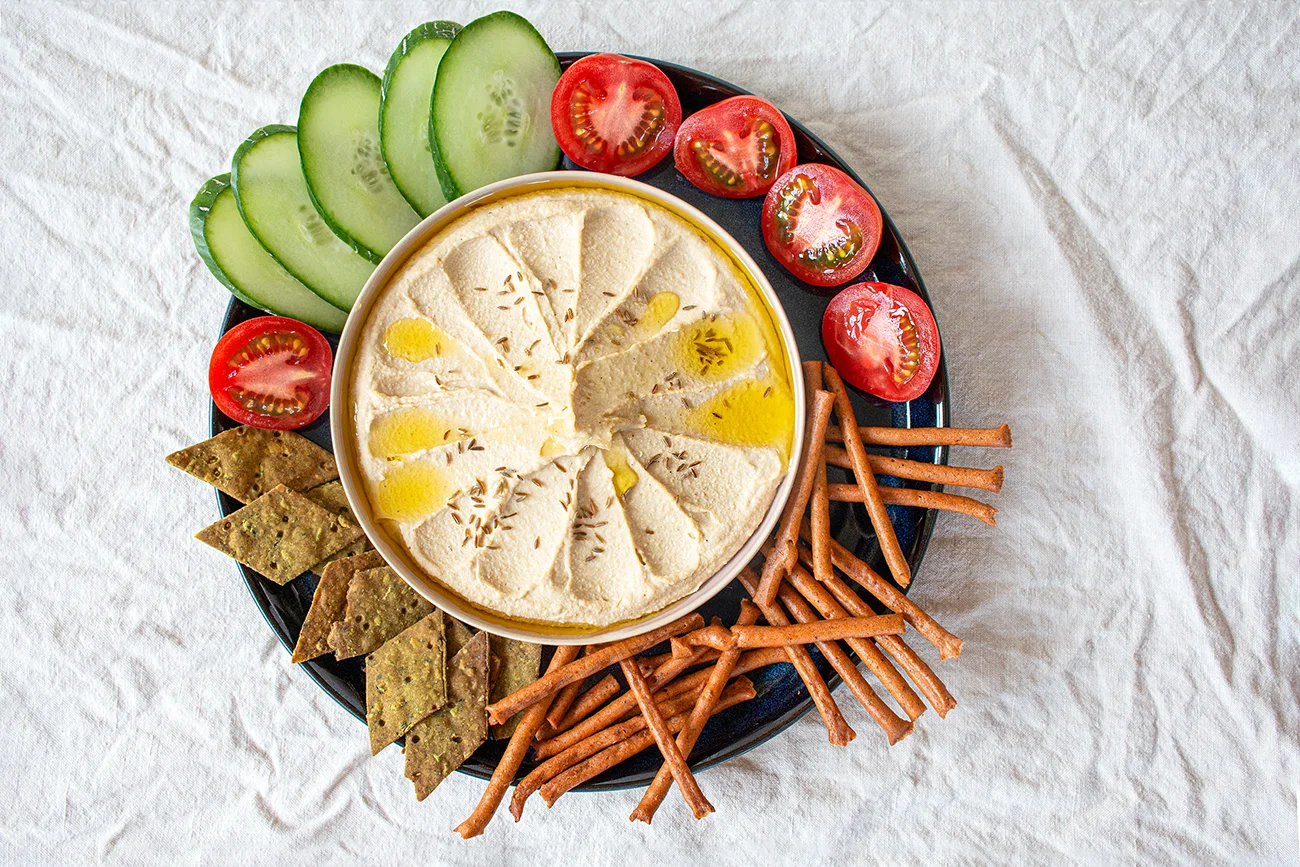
(571, 407)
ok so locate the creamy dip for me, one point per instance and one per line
(571, 407)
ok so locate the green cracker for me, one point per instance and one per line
(405, 681)
(280, 534)
(441, 742)
(246, 462)
(360, 546)
(458, 634)
(379, 606)
(514, 665)
(330, 496)
(329, 602)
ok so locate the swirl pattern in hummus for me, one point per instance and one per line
(571, 407)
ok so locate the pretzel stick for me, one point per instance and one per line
(715, 636)
(920, 471)
(673, 757)
(924, 677)
(587, 703)
(948, 644)
(895, 727)
(819, 631)
(704, 705)
(828, 607)
(902, 437)
(564, 698)
(788, 530)
(608, 758)
(837, 730)
(819, 507)
(614, 711)
(597, 742)
(516, 748)
(920, 499)
(587, 666)
(888, 542)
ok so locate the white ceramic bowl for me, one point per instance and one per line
(344, 433)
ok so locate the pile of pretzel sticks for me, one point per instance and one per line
(578, 728)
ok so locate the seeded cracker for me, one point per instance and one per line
(405, 681)
(246, 462)
(514, 665)
(280, 534)
(330, 496)
(458, 634)
(441, 742)
(328, 604)
(379, 606)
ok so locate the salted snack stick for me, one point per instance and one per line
(827, 606)
(819, 508)
(673, 757)
(920, 471)
(715, 635)
(919, 499)
(564, 698)
(516, 749)
(584, 706)
(902, 437)
(700, 713)
(948, 644)
(875, 506)
(839, 731)
(788, 530)
(922, 675)
(895, 727)
(608, 758)
(819, 631)
(587, 666)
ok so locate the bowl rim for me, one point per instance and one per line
(345, 440)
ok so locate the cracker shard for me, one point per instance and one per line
(514, 665)
(442, 741)
(458, 635)
(405, 681)
(329, 602)
(246, 462)
(379, 606)
(281, 534)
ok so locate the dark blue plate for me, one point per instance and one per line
(782, 697)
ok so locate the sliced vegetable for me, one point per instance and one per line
(820, 224)
(404, 114)
(614, 114)
(736, 148)
(271, 372)
(490, 105)
(338, 137)
(274, 202)
(883, 339)
(251, 274)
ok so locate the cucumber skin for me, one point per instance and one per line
(359, 248)
(450, 190)
(198, 219)
(428, 30)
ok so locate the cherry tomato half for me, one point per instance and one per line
(735, 148)
(820, 224)
(882, 339)
(616, 115)
(271, 372)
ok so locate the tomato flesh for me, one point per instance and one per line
(821, 225)
(616, 115)
(882, 339)
(271, 372)
(735, 148)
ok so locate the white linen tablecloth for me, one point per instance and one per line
(1104, 201)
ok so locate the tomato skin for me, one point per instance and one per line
(868, 340)
(271, 361)
(821, 224)
(613, 83)
(732, 124)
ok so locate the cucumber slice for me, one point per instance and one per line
(251, 274)
(276, 207)
(338, 135)
(492, 105)
(404, 114)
